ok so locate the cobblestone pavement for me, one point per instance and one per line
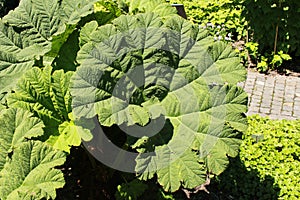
(275, 96)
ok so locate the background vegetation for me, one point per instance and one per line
(265, 33)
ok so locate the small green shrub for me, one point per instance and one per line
(269, 162)
(274, 24)
(264, 62)
(275, 27)
(224, 12)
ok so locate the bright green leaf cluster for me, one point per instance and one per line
(211, 13)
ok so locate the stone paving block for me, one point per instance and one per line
(255, 102)
(297, 99)
(279, 88)
(287, 108)
(272, 116)
(267, 96)
(253, 110)
(248, 90)
(288, 99)
(267, 99)
(286, 113)
(278, 93)
(280, 81)
(297, 107)
(256, 96)
(275, 112)
(278, 97)
(289, 92)
(265, 110)
(277, 103)
(258, 91)
(260, 83)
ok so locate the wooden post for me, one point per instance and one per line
(180, 10)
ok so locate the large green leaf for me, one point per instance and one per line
(31, 173)
(74, 10)
(16, 126)
(60, 92)
(13, 61)
(141, 68)
(160, 7)
(33, 92)
(87, 31)
(172, 169)
(26, 35)
(39, 20)
(37, 30)
(44, 94)
(48, 97)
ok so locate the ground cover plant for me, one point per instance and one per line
(68, 68)
(270, 151)
(225, 13)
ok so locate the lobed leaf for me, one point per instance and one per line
(13, 62)
(74, 10)
(38, 20)
(48, 97)
(142, 68)
(30, 173)
(16, 126)
(70, 134)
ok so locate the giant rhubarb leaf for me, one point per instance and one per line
(31, 173)
(34, 29)
(12, 63)
(142, 68)
(39, 20)
(27, 166)
(48, 97)
(16, 126)
(159, 7)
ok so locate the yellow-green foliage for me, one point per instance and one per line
(268, 166)
(217, 12)
(272, 147)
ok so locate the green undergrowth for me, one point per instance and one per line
(268, 166)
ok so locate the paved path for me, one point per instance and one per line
(276, 96)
